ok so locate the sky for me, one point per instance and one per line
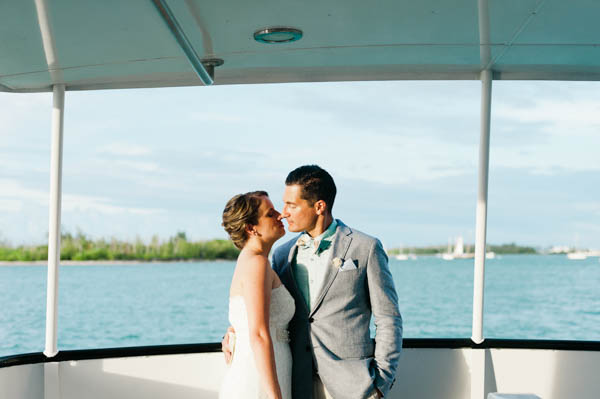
(404, 155)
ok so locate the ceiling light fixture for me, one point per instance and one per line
(277, 35)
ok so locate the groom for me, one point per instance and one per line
(338, 277)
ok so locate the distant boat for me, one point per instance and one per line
(406, 257)
(459, 251)
(577, 255)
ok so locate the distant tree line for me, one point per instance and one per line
(505, 249)
(81, 247)
(512, 248)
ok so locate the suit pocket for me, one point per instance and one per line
(349, 281)
(349, 274)
(356, 351)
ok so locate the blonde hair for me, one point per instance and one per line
(240, 211)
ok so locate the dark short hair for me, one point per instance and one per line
(240, 211)
(316, 184)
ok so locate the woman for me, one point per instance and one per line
(260, 307)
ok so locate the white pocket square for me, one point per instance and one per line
(348, 265)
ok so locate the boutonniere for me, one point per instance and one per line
(337, 262)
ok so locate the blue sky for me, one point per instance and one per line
(403, 154)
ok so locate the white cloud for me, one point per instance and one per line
(212, 116)
(14, 195)
(125, 149)
(570, 118)
(593, 208)
(13, 190)
(10, 205)
(138, 165)
(72, 202)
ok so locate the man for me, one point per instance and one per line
(338, 277)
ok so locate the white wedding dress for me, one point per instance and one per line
(242, 379)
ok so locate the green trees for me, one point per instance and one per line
(511, 248)
(81, 247)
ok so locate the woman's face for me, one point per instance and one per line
(269, 225)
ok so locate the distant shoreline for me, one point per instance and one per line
(106, 262)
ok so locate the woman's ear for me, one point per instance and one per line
(250, 230)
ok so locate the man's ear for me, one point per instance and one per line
(320, 207)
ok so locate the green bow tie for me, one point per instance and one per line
(307, 242)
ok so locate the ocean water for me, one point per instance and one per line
(527, 296)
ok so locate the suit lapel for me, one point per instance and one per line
(340, 244)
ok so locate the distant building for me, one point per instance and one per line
(560, 249)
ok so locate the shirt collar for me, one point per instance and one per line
(324, 239)
(327, 234)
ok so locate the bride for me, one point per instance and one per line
(260, 307)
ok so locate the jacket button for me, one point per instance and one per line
(310, 319)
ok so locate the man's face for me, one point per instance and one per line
(300, 214)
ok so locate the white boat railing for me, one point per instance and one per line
(429, 369)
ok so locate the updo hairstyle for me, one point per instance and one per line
(240, 211)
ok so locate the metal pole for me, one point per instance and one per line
(185, 44)
(481, 216)
(485, 51)
(58, 106)
(48, 41)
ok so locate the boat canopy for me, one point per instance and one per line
(114, 44)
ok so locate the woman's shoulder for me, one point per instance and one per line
(251, 262)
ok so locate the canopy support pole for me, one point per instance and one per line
(478, 369)
(478, 363)
(481, 216)
(58, 106)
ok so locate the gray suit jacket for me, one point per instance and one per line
(332, 339)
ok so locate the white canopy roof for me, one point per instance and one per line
(125, 44)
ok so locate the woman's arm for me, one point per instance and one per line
(256, 289)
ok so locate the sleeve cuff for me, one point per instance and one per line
(384, 386)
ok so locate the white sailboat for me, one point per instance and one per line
(577, 255)
(458, 252)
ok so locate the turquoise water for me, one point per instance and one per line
(527, 296)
